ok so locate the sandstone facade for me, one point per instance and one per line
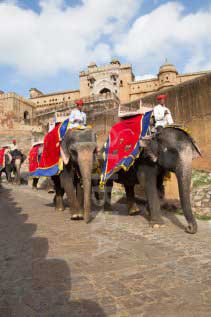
(104, 88)
(115, 78)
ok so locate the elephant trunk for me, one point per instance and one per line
(85, 160)
(18, 170)
(183, 173)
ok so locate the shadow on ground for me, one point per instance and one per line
(30, 283)
(167, 210)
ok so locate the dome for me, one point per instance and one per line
(167, 68)
(92, 64)
(115, 61)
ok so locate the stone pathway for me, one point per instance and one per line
(114, 266)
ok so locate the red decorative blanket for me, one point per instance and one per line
(2, 150)
(122, 146)
(33, 158)
(49, 164)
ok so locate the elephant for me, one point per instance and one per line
(170, 150)
(78, 149)
(7, 169)
(49, 184)
(13, 162)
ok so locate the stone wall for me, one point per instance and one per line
(201, 200)
(15, 109)
(190, 104)
(24, 141)
(101, 110)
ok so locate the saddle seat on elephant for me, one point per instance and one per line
(17, 154)
(52, 157)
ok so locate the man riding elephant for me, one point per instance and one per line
(162, 114)
(68, 156)
(173, 149)
(5, 162)
(78, 152)
(77, 116)
(13, 160)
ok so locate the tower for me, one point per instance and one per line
(167, 75)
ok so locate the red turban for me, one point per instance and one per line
(161, 97)
(14, 141)
(79, 102)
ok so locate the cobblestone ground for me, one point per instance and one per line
(114, 266)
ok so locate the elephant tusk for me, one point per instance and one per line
(65, 159)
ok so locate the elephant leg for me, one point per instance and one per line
(152, 195)
(18, 171)
(50, 186)
(95, 189)
(130, 194)
(107, 195)
(8, 174)
(97, 194)
(35, 182)
(160, 186)
(58, 199)
(67, 183)
(183, 174)
(79, 193)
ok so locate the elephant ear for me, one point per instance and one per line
(8, 158)
(150, 146)
(144, 143)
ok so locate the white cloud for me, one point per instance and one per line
(60, 37)
(145, 76)
(168, 32)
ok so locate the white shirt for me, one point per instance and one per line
(51, 126)
(76, 114)
(13, 147)
(162, 119)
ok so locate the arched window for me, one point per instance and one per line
(26, 117)
(104, 91)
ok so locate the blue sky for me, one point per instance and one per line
(45, 43)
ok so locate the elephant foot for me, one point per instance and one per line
(158, 226)
(158, 223)
(51, 191)
(76, 216)
(133, 209)
(58, 201)
(107, 207)
(191, 228)
(59, 208)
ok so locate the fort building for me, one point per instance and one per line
(114, 80)
(103, 88)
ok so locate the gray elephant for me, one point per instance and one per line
(172, 150)
(7, 169)
(79, 153)
(13, 162)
